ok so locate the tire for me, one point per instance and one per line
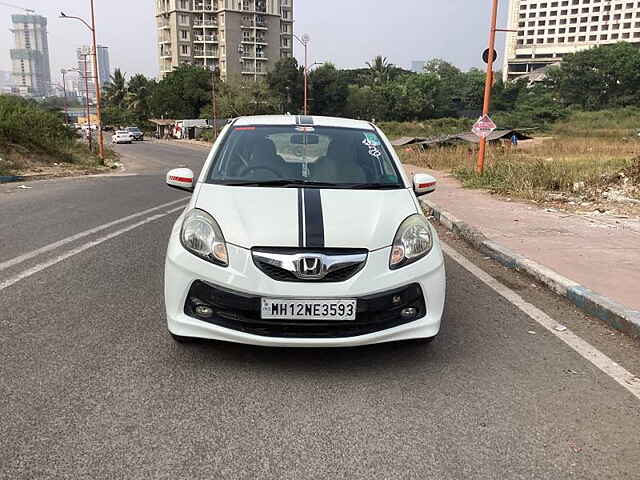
(182, 340)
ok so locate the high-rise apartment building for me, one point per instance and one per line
(547, 30)
(243, 37)
(84, 55)
(30, 55)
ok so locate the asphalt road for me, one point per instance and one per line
(92, 386)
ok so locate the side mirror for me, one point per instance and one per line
(423, 184)
(180, 178)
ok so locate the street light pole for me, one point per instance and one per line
(92, 29)
(213, 102)
(64, 92)
(97, 80)
(488, 84)
(305, 42)
(86, 98)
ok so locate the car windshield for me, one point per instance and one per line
(288, 156)
(133, 129)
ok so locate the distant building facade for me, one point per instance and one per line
(30, 56)
(418, 66)
(84, 55)
(546, 31)
(243, 37)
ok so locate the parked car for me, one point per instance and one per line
(303, 231)
(121, 136)
(136, 133)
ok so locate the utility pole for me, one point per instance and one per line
(86, 97)
(488, 84)
(213, 102)
(305, 43)
(92, 29)
(64, 91)
(97, 80)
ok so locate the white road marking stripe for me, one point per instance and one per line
(42, 266)
(52, 246)
(586, 350)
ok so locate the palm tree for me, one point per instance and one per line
(116, 90)
(380, 69)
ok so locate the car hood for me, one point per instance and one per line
(304, 217)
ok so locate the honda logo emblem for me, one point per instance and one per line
(310, 267)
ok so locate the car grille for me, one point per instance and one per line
(241, 312)
(283, 275)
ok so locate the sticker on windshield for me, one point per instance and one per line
(372, 139)
(372, 142)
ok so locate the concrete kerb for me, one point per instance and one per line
(612, 313)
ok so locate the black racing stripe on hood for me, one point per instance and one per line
(300, 218)
(313, 221)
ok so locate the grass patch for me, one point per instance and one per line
(535, 169)
(427, 128)
(586, 152)
(32, 137)
(622, 123)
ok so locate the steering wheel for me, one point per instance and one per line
(253, 169)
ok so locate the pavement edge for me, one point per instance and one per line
(612, 313)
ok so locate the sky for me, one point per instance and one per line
(347, 33)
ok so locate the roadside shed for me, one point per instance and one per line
(447, 140)
(164, 126)
(495, 136)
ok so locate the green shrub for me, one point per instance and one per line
(24, 123)
(29, 131)
(427, 128)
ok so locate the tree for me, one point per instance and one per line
(139, 92)
(238, 97)
(182, 93)
(380, 69)
(116, 91)
(601, 77)
(328, 91)
(286, 81)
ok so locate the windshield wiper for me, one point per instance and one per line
(279, 183)
(290, 183)
(373, 186)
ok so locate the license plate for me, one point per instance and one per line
(336, 310)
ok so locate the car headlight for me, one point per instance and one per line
(412, 242)
(201, 235)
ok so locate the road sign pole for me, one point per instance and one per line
(488, 84)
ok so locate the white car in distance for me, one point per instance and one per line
(303, 231)
(121, 136)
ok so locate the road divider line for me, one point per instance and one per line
(42, 266)
(52, 246)
(584, 349)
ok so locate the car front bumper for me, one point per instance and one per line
(237, 289)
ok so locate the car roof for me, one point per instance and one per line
(281, 120)
(121, 131)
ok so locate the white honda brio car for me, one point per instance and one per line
(303, 231)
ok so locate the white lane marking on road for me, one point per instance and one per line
(52, 246)
(42, 266)
(584, 349)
